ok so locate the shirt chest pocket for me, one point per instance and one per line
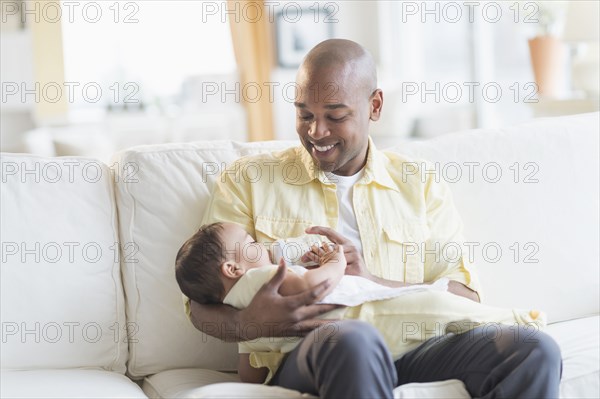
(270, 229)
(405, 245)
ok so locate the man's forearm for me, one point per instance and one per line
(219, 321)
(390, 283)
(460, 289)
(454, 287)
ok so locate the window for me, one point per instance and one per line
(141, 51)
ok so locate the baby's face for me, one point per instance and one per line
(248, 253)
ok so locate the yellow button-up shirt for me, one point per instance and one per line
(408, 224)
(409, 228)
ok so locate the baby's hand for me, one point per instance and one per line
(332, 254)
(319, 254)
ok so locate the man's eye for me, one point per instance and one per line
(337, 119)
(306, 117)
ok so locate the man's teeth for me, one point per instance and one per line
(323, 149)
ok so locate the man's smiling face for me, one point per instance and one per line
(333, 109)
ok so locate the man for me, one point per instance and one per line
(338, 181)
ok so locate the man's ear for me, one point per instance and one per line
(231, 270)
(376, 104)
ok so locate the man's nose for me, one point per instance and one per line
(318, 130)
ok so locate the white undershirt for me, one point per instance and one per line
(347, 225)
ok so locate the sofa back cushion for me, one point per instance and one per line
(162, 193)
(62, 298)
(528, 197)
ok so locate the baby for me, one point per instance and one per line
(222, 263)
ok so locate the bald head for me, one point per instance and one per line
(348, 58)
(336, 99)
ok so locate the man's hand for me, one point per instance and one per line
(278, 316)
(355, 263)
(268, 315)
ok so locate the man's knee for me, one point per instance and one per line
(352, 332)
(348, 358)
(536, 346)
(547, 351)
(539, 342)
(352, 337)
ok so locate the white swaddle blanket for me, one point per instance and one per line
(354, 290)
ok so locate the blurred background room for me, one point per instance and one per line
(93, 77)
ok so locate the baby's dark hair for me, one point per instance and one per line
(197, 265)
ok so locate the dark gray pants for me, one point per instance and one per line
(350, 360)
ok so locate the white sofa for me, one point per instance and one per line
(81, 319)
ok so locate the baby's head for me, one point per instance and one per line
(214, 259)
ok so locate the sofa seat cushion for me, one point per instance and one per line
(200, 383)
(67, 384)
(579, 342)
